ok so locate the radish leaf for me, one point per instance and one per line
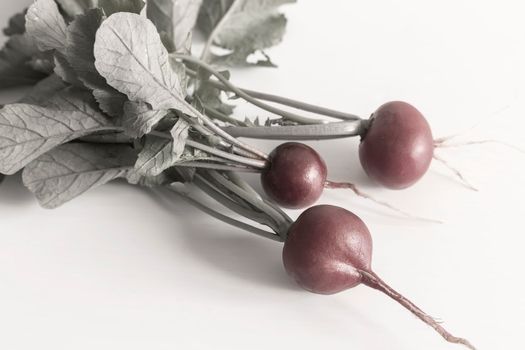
(46, 26)
(79, 52)
(242, 26)
(70, 170)
(81, 35)
(139, 119)
(110, 100)
(174, 20)
(132, 58)
(161, 153)
(64, 70)
(27, 131)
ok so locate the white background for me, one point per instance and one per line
(122, 268)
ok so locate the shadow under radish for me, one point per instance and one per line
(224, 248)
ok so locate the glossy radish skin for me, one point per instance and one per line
(295, 176)
(324, 247)
(329, 249)
(398, 147)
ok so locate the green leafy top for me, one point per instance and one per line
(116, 95)
(111, 98)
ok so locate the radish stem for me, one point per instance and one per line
(225, 218)
(282, 220)
(251, 164)
(288, 115)
(221, 116)
(255, 163)
(236, 179)
(301, 132)
(307, 107)
(204, 131)
(215, 166)
(228, 202)
(214, 127)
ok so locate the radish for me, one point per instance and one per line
(397, 148)
(329, 249)
(295, 175)
(326, 250)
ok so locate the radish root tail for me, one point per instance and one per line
(443, 143)
(456, 172)
(372, 280)
(358, 192)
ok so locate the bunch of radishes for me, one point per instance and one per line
(329, 249)
(326, 250)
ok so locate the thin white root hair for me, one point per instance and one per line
(444, 144)
(456, 172)
(358, 192)
(444, 139)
